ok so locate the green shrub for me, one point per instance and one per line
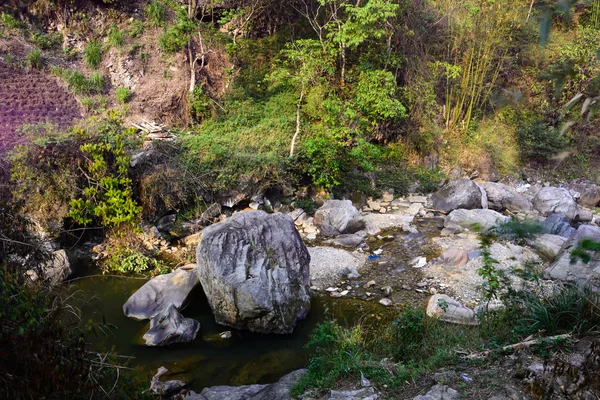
(308, 205)
(116, 37)
(47, 41)
(123, 95)
(177, 36)
(10, 22)
(35, 59)
(78, 83)
(156, 12)
(199, 104)
(136, 29)
(92, 54)
(538, 141)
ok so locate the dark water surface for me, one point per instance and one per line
(246, 358)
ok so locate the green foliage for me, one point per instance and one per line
(136, 29)
(375, 96)
(35, 59)
(176, 37)
(10, 22)
(116, 37)
(156, 12)
(126, 261)
(538, 141)
(585, 251)
(47, 41)
(78, 83)
(123, 95)
(200, 104)
(92, 54)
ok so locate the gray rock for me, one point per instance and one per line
(280, 390)
(55, 270)
(375, 223)
(558, 224)
(166, 223)
(585, 215)
(517, 204)
(346, 240)
(463, 193)
(496, 193)
(160, 292)
(551, 200)
(589, 193)
(548, 246)
(578, 272)
(467, 219)
(449, 310)
(254, 269)
(165, 389)
(338, 216)
(439, 392)
(326, 263)
(367, 393)
(169, 326)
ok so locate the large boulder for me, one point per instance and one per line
(548, 246)
(169, 326)
(254, 269)
(589, 193)
(551, 200)
(338, 216)
(462, 193)
(55, 270)
(160, 292)
(578, 272)
(501, 197)
(558, 224)
(449, 310)
(467, 219)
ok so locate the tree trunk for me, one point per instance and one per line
(298, 110)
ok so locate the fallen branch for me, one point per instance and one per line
(520, 345)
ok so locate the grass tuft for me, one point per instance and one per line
(92, 54)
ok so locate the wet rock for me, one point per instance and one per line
(338, 216)
(548, 246)
(375, 223)
(589, 193)
(467, 219)
(325, 262)
(160, 292)
(165, 389)
(462, 193)
(254, 269)
(166, 223)
(347, 240)
(367, 393)
(558, 224)
(449, 310)
(169, 326)
(453, 257)
(439, 392)
(551, 200)
(578, 272)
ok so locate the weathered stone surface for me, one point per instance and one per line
(467, 219)
(169, 326)
(551, 200)
(517, 204)
(548, 246)
(367, 393)
(338, 216)
(165, 389)
(55, 270)
(375, 223)
(463, 193)
(558, 224)
(454, 257)
(589, 193)
(254, 269)
(496, 193)
(327, 263)
(160, 292)
(280, 390)
(578, 272)
(347, 240)
(166, 223)
(439, 392)
(449, 310)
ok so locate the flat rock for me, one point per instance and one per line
(169, 327)
(367, 393)
(346, 240)
(375, 223)
(439, 392)
(338, 216)
(454, 257)
(449, 310)
(548, 246)
(327, 262)
(254, 269)
(467, 219)
(459, 194)
(160, 292)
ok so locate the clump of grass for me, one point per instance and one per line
(136, 29)
(78, 83)
(92, 54)
(116, 37)
(123, 95)
(156, 12)
(35, 59)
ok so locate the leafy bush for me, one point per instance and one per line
(35, 59)
(308, 205)
(116, 37)
(78, 83)
(92, 54)
(199, 104)
(47, 41)
(538, 141)
(156, 12)
(177, 36)
(123, 94)
(10, 22)
(136, 29)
